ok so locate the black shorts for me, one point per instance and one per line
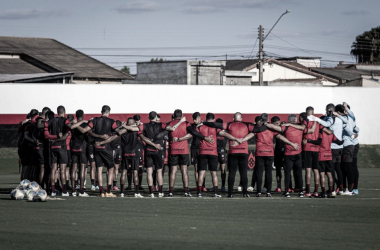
(117, 156)
(325, 166)
(356, 150)
(348, 153)
(130, 162)
(194, 156)
(154, 158)
(336, 155)
(311, 160)
(39, 158)
(59, 155)
(90, 153)
(179, 160)
(210, 160)
(104, 156)
(222, 157)
(79, 156)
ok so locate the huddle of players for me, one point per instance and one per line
(105, 142)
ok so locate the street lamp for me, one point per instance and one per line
(261, 46)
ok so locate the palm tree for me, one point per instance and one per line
(366, 48)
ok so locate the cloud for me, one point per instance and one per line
(31, 14)
(137, 7)
(201, 9)
(355, 12)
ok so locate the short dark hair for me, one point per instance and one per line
(45, 109)
(118, 123)
(177, 113)
(264, 117)
(129, 118)
(339, 108)
(61, 110)
(196, 115)
(210, 116)
(152, 115)
(309, 108)
(79, 113)
(292, 117)
(27, 115)
(136, 117)
(257, 119)
(158, 116)
(50, 114)
(303, 115)
(330, 106)
(105, 109)
(33, 113)
(348, 106)
(219, 120)
(275, 119)
(70, 117)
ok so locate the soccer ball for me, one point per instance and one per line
(13, 194)
(19, 195)
(34, 186)
(25, 183)
(42, 195)
(30, 195)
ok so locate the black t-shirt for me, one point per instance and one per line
(115, 144)
(102, 126)
(221, 144)
(196, 142)
(129, 142)
(78, 137)
(150, 130)
(279, 147)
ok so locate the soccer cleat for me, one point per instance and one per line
(277, 190)
(322, 196)
(53, 195)
(138, 196)
(308, 195)
(217, 196)
(333, 193)
(250, 189)
(269, 195)
(315, 194)
(66, 194)
(170, 195)
(121, 195)
(74, 194)
(199, 195)
(93, 188)
(301, 195)
(258, 195)
(204, 189)
(187, 195)
(128, 188)
(83, 195)
(151, 195)
(287, 195)
(356, 191)
(330, 196)
(161, 195)
(115, 188)
(102, 195)
(240, 188)
(348, 193)
(223, 190)
(339, 193)
(97, 188)
(246, 196)
(110, 195)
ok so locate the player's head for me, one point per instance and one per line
(28, 116)
(309, 111)
(330, 108)
(70, 117)
(264, 117)
(152, 115)
(219, 120)
(49, 115)
(275, 120)
(292, 118)
(44, 110)
(79, 114)
(197, 118)
(210, 117)
(106, 110)
(136, 118)
(118, 123)
(131, 121)
(340, 109)
(238, 117)
(177, 114)
(61, 111)
(158, 118)
(33, 113)
(302, 116)
(258, 120)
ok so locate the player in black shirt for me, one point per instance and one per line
(222, 156)
(279, 152)
(140, 154)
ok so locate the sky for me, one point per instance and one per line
(121, 33)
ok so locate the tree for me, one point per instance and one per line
(126, 70)
(366, 48)
(157, 60)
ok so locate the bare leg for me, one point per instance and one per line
(83, 171)
(316, 179)
(307, 179)
(172, 175)
(185, 176)
(214, 175)
(201, 176)
(74, 168)
(100, 178)
(53, 176)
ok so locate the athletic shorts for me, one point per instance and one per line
(356, 150)
(104, 156)
(194, 156)
(154, 158)
(59, 155)
(79, 156)
(117, 156)
(336, 155)
(90, 153)
(348, 153)
(179, 160)
(39, 158)
(210, 160)
(325, 166)
(311, 160)
(222, 158)
(130, 162)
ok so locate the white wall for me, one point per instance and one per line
(20, 98)
(275, 72)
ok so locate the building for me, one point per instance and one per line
(30, 58)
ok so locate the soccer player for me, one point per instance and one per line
(293, 159)
(153, 156)
(222, 156)
(79, 155)
(140, 154)
(22, 144)
(116, 148)
(279, 154)
(29, 145)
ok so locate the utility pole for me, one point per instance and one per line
(261, 61)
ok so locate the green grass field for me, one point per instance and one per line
(191, 223)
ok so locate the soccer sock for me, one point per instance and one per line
(93, 182)
(171, 189)
(323, 190)
(101, 189)
(97, 183)
(224, 179)
(186, 190)
(52, 188)
(316, 187)
(307, 188)
(129, 177)
(331, 189)
(140, 175)
(114, 183)
(151, 189)
(81, 191)
(136, 189)
(64, 188)
(122, 188)
(204, 182)
(109, 188)
(73, 189)
(341, 187)
(160, 188)
(215, 189)
(199, 189)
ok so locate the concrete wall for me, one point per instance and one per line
(127, 99)
(209, 72)
(162, 73)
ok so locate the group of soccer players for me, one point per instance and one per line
(59, 147)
